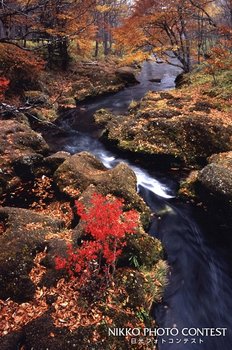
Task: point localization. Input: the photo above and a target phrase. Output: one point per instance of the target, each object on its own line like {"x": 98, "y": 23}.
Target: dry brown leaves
{"x": 2, "y": 228}
{"x": 59, "y": 210}
{"x": 34, "y": 226}
{"x": 68, "y": 311}
{"x": 14, "y": 315}
{"x": 188, "y": 99}
{"x": 68, "y": 308}
{"x": 38, "y": 270}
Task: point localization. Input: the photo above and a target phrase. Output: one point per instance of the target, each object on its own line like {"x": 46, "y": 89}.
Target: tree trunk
{"x": 63, "y": 52}
{"x": 96, "y": 49}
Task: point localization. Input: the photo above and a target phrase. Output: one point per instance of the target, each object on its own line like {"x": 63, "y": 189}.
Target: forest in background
{"x": 38, "y": 34}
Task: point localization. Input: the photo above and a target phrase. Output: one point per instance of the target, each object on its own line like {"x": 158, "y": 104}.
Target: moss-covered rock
{"x": 24, "y": 234}
{"x": 42, "y": 114}
{"x": 11, "y": 341}
{"x": 141, "y": 250}
{"x": 187, "y": 185}
{"x": 19, "y": 144}
{"x": 216, "y": 177}
{"x": 26, "y": 166}
{"x": 36, "y": 98}
{"x": 127, "y": 74}
{"x": 55, "y": 160}
{"x": 102, "y": 117}
{"x": 94, "y": 79}
{"x": 83, "y": 169}
{"x": 17, "y": 139}
{"x": 162, "y": 130}
{"x": 41, "y": 334}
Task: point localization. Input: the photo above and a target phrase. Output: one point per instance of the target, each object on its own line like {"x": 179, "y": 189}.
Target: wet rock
{"x": 127, "y": 74}
{"x": 24, "y": 234}
{"x": 83, "y": 169}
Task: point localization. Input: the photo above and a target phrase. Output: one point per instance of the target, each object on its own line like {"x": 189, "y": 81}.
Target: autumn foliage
{"x": 220, "y": 59}
{"x": 19, "y": 66}
{"x": 106, "y": 225}
{"x": 4, "y": 84}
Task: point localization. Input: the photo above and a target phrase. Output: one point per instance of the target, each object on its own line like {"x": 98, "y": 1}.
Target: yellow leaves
{"x": 84, "y": 45}
{"x": 63, "y": 16}
{"x": 130, "y": 58}
{"x": 103, "y": 8}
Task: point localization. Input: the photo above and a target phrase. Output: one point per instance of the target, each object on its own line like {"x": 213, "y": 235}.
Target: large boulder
{"x": 23, "y": 233}
{"x": 182, "y": 79}
{"x": 169, "y": 128}
{"x": 17, "y": 139}
{"x": 127, "y": 74}
{"x": 55, "y": 160}
{"x": 21, "y": 149}
{"x": 82, "y": 169}
{"x": 216, "y": 177}
{"x": 183, "y": 139}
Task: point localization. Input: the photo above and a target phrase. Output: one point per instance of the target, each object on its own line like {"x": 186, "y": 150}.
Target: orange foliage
{"x": 20, "y": 66}
{"x": 219, "y": 59}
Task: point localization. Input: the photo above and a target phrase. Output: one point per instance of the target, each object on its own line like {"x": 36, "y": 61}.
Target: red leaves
{"x": 60, "y": 263}
{"x": 105, "y": 218}
{"x": 4, "y": 84}
{"x": 107, "y": 225}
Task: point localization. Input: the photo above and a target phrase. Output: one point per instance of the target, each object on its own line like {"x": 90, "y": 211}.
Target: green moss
{"x": 142, "y": 250}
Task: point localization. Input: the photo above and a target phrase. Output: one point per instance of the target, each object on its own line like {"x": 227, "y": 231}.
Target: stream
{"x": 198, "y": 294}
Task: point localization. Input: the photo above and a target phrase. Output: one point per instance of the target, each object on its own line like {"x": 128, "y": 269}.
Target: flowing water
{"x": 198, "y": 294}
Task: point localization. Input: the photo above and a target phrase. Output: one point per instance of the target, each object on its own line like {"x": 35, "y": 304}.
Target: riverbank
{"x": 43, "y": 93}
{"x": 189, "y": 129}
{"x": 40, "y": 306}
{"x": 183, "y": 125}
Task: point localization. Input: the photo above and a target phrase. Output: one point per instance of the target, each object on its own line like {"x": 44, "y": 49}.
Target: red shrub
{"x": 107, "y": 225}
